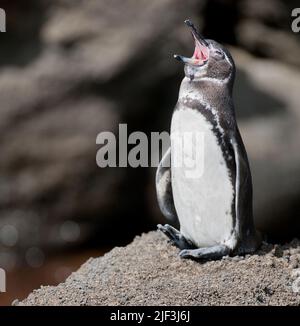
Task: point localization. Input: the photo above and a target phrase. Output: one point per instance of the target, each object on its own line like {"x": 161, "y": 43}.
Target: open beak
{"x": 201, "y": 52}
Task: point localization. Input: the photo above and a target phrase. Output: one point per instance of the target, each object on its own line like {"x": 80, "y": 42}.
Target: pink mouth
{"x": 201, "y": 53}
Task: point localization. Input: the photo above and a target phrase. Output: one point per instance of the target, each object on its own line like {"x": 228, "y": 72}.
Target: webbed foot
{"x": 175, "y": 236}
{"x": 215, "y": 252}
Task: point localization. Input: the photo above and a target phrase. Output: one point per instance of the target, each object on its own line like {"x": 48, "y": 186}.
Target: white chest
{"x": 202, "y": 189}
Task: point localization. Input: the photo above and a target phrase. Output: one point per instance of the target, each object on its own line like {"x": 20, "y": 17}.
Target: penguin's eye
{"x": 219, "y": 54}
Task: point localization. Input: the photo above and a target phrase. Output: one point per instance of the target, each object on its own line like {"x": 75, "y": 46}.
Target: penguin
{"x": 213, "y": 206}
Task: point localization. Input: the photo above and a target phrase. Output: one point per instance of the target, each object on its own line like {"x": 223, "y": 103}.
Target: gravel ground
{"x": 149, "y": 272}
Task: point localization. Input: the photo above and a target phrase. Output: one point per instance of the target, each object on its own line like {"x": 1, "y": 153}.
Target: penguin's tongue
{"x": 201, "y": 53}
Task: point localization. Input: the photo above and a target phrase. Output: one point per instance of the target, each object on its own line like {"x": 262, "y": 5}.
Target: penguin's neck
{"x": 209, "y": 92}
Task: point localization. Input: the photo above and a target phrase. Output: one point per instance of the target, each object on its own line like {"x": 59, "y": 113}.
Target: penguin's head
{"x": 210, "y": 59}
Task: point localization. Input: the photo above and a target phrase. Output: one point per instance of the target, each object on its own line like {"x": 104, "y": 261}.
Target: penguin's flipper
{"x": 215, "y": 252}
{"x": 244, "y": 226}
{"x": 175, "y": 236}
{"x": 164, "y": 188}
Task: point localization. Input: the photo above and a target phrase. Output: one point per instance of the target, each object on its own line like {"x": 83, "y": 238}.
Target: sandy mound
{"x": 149, "y": 272}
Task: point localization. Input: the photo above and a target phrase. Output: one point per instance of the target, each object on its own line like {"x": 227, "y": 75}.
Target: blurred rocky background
{"x": 70, "y": 69}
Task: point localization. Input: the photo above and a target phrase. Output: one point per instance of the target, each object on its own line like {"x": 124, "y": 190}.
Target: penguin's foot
{"x": 215, "y": 252}
{"x": 175, "y": 236}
